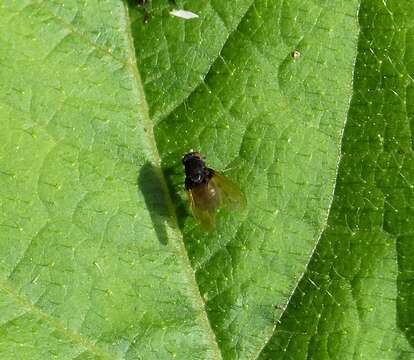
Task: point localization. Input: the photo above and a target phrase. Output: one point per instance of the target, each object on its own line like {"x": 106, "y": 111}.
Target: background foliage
{"x": 99, "y": 257}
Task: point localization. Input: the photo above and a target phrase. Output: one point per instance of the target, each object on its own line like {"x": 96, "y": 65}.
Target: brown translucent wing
{"x": 228, "y": 192}
{"x": 220, "y": 191}
{"x": 204, "y": 202}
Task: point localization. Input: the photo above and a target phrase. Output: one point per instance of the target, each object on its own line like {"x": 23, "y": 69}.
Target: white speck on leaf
{"x": 184, "y": 14}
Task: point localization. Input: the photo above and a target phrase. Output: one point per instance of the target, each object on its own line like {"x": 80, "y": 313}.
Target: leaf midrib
{"x": 176, "y": 234}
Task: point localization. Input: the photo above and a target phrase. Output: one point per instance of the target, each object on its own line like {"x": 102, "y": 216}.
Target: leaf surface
{"x": 100, "y": 258}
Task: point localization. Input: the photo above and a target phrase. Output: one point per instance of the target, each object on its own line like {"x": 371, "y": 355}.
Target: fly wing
{"x": 206, "y": 216}
{"x": 205, "y": 199}
{"x": 229, "y": 193}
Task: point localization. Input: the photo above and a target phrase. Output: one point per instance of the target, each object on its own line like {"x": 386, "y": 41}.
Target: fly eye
{"x": 197, "y": 178}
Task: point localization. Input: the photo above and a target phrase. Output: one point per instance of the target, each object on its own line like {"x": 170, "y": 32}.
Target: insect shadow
{"x": 150, "y": 185}
{"x": 156, "y": 200}
{"x": 175, "y": 180}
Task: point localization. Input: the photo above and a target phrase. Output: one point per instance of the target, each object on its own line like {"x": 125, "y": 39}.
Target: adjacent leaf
{"x": 356, "y": 299}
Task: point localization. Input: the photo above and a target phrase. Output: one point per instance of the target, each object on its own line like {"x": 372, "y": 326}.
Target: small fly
{"x": 208, "y": 190}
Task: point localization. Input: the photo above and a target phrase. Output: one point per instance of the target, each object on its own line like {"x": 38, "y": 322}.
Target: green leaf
{"x": 100, "y": 257}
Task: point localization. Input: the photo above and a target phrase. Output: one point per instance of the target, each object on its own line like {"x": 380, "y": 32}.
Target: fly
{"x": 208, "y": 190}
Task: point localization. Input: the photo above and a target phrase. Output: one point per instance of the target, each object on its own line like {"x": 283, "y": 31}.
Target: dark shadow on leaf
{"x": 150, "y": 184}
{"x": 175, "y": 180}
